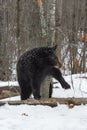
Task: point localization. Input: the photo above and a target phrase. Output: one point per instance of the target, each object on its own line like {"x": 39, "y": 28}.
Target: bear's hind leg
{"x": 36, "y": 88}
{"x": 25, "y": 92}
{"x": 25, "y": 89}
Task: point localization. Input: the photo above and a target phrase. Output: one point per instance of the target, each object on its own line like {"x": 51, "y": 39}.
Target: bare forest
{"x": 25, "y": 24}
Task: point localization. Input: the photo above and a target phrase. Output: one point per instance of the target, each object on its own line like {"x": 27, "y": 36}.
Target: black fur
{"x": 32, "y": 68}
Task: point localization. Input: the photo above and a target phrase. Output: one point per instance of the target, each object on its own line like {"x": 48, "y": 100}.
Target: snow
{"x": 25, "y": 117}
{"x": 78, "y": 87}
{"x": 8, "y": 83}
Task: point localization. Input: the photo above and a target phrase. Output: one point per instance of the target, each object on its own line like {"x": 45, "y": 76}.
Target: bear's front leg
{"x": 56, "y": 73}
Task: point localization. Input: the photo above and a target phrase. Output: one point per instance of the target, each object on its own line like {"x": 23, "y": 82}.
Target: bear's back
{"x": 33, "y": 59}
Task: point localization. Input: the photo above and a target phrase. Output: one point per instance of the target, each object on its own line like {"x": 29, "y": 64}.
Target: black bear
{"x": 33, "y": 67}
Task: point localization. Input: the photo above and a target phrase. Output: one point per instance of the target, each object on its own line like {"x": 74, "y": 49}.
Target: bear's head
{"x": 50, "y": 57}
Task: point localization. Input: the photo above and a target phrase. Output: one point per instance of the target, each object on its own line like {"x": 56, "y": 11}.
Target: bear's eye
{"x": 48, "y": 51}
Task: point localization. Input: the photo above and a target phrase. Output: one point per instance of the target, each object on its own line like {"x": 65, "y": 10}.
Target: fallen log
{"x": 9, "y": 91}
{"x": 2, "y": 103}
{"x": 11, "y": 88}
{"x": 45, "y": 102}
{"x": 53, "y": 102}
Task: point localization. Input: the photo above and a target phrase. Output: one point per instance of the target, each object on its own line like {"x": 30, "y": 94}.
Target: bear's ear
{"x": 54, "y": 48}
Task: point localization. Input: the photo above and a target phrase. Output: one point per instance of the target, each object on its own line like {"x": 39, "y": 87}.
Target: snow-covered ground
{"x": 25, "y": 117}
{"x": 78, "y": 87}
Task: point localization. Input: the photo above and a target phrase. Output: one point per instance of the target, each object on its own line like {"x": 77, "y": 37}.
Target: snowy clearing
{"x": 25, "y": 117}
